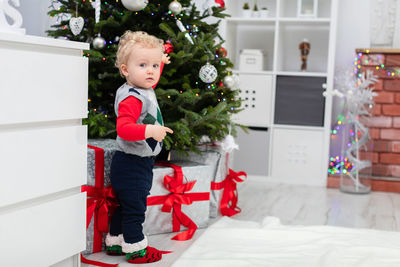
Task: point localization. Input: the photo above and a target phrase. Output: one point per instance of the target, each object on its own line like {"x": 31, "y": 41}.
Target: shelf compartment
{"x": 297, "y": 156}
{"x": 235, "y": 7}
{"x": 288, "y": 8}
{"x": 255, "y": 143}
{"x": 291, "y": 34}
{"x": 299, "y": 101}
{"x": 256, "y": 95}
{"x": 241, "y": 37}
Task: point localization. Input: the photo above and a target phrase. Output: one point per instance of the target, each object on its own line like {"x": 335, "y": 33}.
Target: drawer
{"x": 256, "y": 95}
{"x": 297, "y": 156}
{"x": 41, "y": 84}
{"x": 44, "y": 234}
{"x": 37, "y": 162}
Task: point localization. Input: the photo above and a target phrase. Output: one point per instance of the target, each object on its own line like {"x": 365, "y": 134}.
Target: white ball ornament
{"x": 175, "y": 7}
{"x": 208, "y": 73}
{"x": 99, "y": 42}
{"x": 229, "y": 81}
{"x": 135, "y": 5}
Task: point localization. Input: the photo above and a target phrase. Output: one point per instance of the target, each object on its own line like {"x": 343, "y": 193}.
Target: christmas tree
{"x": 193, "y": 105}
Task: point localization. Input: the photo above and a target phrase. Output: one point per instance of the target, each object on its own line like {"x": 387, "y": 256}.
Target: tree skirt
{"x": 230, "y": 242}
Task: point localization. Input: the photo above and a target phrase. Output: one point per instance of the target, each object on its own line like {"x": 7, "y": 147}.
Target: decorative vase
{"x": 264, "y": 13}
{"x": 246, "y": 13}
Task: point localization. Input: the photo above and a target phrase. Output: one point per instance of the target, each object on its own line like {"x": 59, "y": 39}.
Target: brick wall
{"x": 384, "y": 126}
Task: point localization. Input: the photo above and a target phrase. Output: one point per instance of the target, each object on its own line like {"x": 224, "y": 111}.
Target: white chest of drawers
{"x": 43, "y": 98}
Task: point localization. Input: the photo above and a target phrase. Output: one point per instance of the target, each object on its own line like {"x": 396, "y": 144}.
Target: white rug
{"x": 231, "y": 243}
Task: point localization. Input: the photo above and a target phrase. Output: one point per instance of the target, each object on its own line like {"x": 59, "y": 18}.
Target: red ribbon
{"x": 173, "y": 201}
{"x": 100, "y": 203}
{"x": 97, "y": 263}
{"x": 229, "y": 198}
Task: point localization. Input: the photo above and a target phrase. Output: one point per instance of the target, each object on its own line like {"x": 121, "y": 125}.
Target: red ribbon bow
{"x": 229, "y": 198}
{"x": 173, "y": 201}
{"x": 101, "y": 203}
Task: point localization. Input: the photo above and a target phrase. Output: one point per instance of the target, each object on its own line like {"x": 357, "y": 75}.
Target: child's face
{"x": 143, "y": 67}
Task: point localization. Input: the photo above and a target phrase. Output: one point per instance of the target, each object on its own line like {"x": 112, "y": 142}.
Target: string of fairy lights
{"x": 374, "y": 61}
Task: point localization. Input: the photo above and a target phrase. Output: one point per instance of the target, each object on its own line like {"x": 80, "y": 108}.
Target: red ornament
{"x": 168, "y": 47}
{"x": 221, "y": 3}
{"x": 222, "y": 52}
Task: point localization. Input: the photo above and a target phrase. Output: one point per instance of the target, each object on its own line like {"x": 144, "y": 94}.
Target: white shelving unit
{"x": 284, "y": 102}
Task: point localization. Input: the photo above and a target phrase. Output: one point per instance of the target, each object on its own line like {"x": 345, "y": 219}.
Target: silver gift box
{"x": 158, "y": 222}
{"x": 219, "y": 161}
{"x": 109, "y": 146}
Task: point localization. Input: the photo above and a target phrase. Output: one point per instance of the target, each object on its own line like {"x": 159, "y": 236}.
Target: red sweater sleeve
{"x": 128, "y": 113}
{"x": 161, "y": 69}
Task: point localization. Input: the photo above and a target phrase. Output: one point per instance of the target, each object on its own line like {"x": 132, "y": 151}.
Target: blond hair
{"x": 129, "y": 39}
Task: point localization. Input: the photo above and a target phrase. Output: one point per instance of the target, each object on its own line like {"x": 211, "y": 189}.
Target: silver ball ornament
{"x": 175, "y": 7}
{"x": 229, "y": 81}
{"x": 208, "y": 73}
{"x": 135, "y": 5}
{"x": 236, "y": 81}
{"x": 99, "y": 42}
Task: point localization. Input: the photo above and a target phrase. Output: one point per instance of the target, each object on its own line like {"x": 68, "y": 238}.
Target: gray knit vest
{"x": 150, "y": 115}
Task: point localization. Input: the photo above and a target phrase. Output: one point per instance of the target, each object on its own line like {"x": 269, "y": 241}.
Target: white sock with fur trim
{"x": 112, "y": 240}
{"x": 133, "y": 247}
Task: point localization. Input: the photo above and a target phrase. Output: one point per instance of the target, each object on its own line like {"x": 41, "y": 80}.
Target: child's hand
{"x": 157, "y": 132}
{"x": 166, "y": 59}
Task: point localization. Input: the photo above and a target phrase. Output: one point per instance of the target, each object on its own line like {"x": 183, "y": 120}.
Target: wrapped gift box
{"x": 158, "y": 221}
{"x": 219, "y": 160}
{"x": 99, "y": 191}
{"x": 109, "y": 146}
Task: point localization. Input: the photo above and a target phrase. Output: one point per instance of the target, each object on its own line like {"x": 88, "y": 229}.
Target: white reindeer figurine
{"x": 10, "y": 11}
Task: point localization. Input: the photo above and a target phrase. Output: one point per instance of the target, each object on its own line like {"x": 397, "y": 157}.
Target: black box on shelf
{"x": 299, "y": 100}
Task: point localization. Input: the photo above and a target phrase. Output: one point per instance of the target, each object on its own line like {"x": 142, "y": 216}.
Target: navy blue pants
{"x": 131, "y": 177}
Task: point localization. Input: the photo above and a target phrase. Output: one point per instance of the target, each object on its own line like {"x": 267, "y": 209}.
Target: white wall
{"x": 35, "y": 18}
{"x": 352, "y": 30}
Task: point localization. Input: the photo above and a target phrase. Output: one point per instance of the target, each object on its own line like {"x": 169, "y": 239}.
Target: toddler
{"x": 140, "y": 133}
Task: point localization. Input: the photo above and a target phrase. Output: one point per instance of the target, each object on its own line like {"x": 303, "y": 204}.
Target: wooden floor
{"x": 294, "y": 205}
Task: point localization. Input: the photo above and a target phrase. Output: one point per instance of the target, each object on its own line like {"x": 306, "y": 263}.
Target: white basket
{"x": 251, "y": 60}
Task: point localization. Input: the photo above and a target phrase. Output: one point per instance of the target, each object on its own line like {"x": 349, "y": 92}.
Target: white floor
{"x": 294, "y": 205}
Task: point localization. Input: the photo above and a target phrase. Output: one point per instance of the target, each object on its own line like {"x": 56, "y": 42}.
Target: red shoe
{"x": 146, "y": 255}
